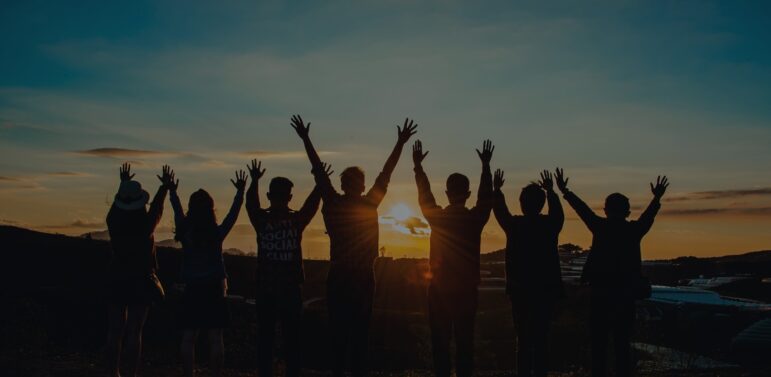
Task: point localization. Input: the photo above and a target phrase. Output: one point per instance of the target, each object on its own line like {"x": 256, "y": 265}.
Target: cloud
{"x": 110, "y": 152}
{"x": 9, "y": 184}
{"x": 757, "y": 211}
{"x": 411, "y": 225}
{"x": 720, "y": 194}
{"x": 279, "y": 154}
{"x": 65, "y": 174}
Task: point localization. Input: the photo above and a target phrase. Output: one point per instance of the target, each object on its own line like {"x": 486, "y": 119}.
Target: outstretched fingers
{"x": 327, "y": 168}
{"x": 498, "y": 178}
{"x": 299, "y": 125}
{"x": 407, "y": 130}
{"x": 255, "y": 169}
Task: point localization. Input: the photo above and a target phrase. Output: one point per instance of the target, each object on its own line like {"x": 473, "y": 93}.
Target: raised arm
{"x": 378, "y": 190}
{"x": 500, "y": 209}
{"x": 310, "y": 207}
{"x": 317, "y": 168}
{"x": 646, "y": 218}
{"x": 404, "y": 134}
{"x": 155, "y": 212}
{"x": 485, "y": 193}
{"x": 124, "y": 172}
{"x": 253, "y": 208}
{"x": 425, "y": 196}
{"x": 582, "y": 209}
{"x": 556, "y": 215}
{"x": 176, "y": 205}
{"x": 235, "y": 208}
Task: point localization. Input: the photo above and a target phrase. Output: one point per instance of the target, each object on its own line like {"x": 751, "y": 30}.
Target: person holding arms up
{"x": 613, "y": 270}
{"x": 351, "y": 219}
{"x": 533, "y": 277}
{"x": 203, "y": 270}
{"x": 456, "y": 233}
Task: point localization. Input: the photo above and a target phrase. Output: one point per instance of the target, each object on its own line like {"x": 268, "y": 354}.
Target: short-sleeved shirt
{"x": 279, "y": 247}
{"x": 352, "y": 225}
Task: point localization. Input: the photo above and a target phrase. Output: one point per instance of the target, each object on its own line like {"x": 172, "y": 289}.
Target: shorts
{"x": 204, "y": 305}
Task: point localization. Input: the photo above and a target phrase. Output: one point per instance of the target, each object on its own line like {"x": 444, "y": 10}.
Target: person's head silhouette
{"x": 200, "y": 204}
{"x": 352, "y": 181}
{"x": 280, "y": 192}
{"x": 617, "y": 206}
{"x": 201, "y": 221}
{"x": 457, "y": 189}
{"x": 532, "y": 199}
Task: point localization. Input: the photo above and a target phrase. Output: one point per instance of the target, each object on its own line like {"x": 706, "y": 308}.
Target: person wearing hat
{"x": 133, "y": 284}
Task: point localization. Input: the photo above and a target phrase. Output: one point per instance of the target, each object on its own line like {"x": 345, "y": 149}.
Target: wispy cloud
{"x": 756, "y": 211}
{"x": 110, "y": 152}
{"x": 281, "y": 154}
{"x": 68, "y": 174}
{"x": 720, "y": 194}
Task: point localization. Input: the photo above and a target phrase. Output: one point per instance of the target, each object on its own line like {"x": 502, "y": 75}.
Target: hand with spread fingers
{"x": 125, "y": 172}
{"x": 255, "y": 170}
{"x": 327, "y": 169}
{"x": 407, "y": 130}
{"x": 562, "y": 182}
{"x": 487, "y": 151}
{"x": 303, "y": 131}
{"x": 167, "y": 178}
{"x": 658, "y": 190}
{"x": 546, "y": 182}
{"x": 240, "y": 181}
{"x": 417, "y": 153}
{"x": 498, "y": 180}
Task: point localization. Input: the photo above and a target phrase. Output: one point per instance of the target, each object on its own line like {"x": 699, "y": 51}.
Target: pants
{"x": 611, "y": 315}
{"x": 350, "y": 310}
{"x": 452, "y": 313}
{"x": 532, "y": 316}
{"x": 285, "y": 306}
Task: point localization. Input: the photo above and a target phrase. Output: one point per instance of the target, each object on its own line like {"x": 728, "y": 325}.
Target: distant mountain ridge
{"x": 762, "y": 256}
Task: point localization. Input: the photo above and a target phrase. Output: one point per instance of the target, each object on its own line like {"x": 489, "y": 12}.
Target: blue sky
{"x": 615, "y": 92}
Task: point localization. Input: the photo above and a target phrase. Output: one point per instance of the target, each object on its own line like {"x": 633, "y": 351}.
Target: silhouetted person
{"x": 203, "y": 271}
{"x": 456, "y": 233}
{"x": 133, "y": 284}
{"x": 279, "y": 266}
{"x": 533, "y": 278}
{"x": 613, "y": 271}
{"x": 352, "y": 224}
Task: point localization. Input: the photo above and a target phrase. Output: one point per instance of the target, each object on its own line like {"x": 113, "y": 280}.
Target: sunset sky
{"x": 615, "y": 92}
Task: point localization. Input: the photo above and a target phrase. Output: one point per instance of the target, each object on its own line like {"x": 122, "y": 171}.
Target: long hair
{"x": 200, "y": 225}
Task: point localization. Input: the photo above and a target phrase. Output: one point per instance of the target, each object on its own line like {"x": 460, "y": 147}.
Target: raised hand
{"x": 300, "y": 127}
{"x": 125, "y": 172}
{"x": 327, "y": 169}
{"x": 498, "y": 180}
{"x": 417, "y": 153}
{"x": 546, "y": 182}
{"x": 562, "y": 182}
{"x": 661, "y": 186}
{"x": 487, "y": 151}
{"x": 240, "y": 181}
{"x": 167, "y": 178}
{"x": 406, "y": 131}
{"x": 255, "y": 170}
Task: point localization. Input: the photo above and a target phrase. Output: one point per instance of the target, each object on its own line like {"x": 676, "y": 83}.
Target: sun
{"x": 401, "y": 212}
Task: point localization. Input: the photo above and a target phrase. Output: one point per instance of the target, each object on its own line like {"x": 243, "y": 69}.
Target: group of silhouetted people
{"x": 533, "y": 278}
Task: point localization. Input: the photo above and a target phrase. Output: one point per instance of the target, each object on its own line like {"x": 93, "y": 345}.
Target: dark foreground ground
{"x": 53, "y": 320}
